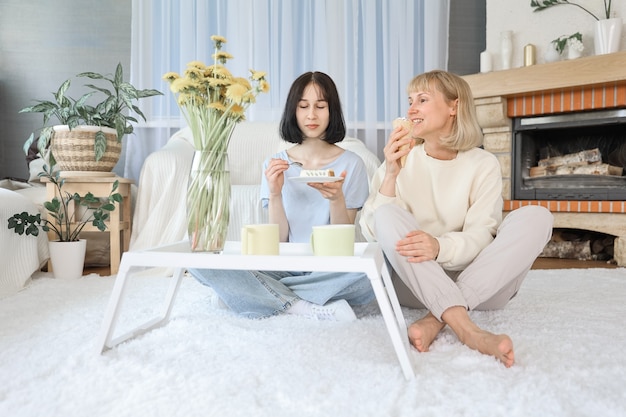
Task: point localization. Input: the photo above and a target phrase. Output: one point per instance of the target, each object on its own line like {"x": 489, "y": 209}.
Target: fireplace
{"x": 584, "y": 87}
{"x": 571, "y": 156}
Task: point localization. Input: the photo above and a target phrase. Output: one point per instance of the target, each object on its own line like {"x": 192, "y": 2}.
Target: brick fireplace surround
{"x": 589, "y": 83}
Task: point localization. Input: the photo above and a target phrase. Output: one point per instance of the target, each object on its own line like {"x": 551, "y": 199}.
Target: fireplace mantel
{"x": 579, "y": 72}
{"x": 589, "y": 83}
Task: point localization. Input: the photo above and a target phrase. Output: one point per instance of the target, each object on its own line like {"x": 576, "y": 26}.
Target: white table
{"x": 368, "y": 259}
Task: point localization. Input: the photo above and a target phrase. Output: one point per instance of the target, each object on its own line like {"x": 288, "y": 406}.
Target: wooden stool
{"x": 119, "y": 224}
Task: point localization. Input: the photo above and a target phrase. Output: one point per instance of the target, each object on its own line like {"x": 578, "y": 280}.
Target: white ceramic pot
{"x": 68, "y": 258}
{"x": 607, "y": 35}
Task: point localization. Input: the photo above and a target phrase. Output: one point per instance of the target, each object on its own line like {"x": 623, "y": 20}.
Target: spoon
{"x": 296, "y": 163}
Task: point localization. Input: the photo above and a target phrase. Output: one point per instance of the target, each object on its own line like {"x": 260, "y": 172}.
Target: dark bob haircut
{"x": 289, "y": 129}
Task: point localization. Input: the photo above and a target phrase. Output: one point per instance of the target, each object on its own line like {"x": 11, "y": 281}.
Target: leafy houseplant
{"x": 539, "y": 5}
{"x": 65, "y": 223}
{"x": 112, "y": 111}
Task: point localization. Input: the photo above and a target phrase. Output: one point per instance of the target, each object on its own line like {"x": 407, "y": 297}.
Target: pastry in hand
{"x": 407, "y": 124}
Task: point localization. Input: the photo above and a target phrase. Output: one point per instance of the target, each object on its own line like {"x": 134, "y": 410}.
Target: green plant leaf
{"x": 100, "y": 144}
{"x": 119, "y": 74}
{"x": 60, "y": 94}
{"x": 120, "y": 126}
{"x": 92, "y": 75}
{"x": 148, "y": 93}
{"x": 28, "y": 142}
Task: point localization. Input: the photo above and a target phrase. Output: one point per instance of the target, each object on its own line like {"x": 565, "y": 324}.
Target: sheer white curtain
{"x": 371, "y": 48}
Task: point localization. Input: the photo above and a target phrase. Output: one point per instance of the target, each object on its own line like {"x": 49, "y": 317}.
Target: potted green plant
{"x": 107, "y": 121}
{"x": 67, "y": 215}
{"x": 573, "y": 42}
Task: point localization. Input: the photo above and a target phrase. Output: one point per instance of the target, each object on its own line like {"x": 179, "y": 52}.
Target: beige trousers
{"x": 488, "y": 283}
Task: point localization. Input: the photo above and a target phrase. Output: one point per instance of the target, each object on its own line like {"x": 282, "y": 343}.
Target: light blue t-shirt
{"x": 305, "y": 207}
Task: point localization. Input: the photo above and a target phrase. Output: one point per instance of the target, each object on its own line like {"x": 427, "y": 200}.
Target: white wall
{"x": 540, "y": 28}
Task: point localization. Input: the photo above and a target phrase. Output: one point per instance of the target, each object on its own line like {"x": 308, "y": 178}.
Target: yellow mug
{"x": 260, "y": 239}
{"x": 333, "y": 240}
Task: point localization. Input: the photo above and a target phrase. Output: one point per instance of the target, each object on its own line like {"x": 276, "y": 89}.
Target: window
{"x": 371, "y": 48}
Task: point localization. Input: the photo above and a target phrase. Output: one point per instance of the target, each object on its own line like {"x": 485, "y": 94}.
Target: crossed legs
{"x": 488, "y": 283}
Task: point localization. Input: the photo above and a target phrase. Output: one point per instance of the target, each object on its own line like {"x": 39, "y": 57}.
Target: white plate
{"x": 315, "y": 179}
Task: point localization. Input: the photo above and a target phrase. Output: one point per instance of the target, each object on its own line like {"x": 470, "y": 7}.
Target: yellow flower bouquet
{"x": 212, "y": 102}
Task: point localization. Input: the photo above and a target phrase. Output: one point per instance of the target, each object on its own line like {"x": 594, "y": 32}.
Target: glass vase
{"x": 208, "y": 201}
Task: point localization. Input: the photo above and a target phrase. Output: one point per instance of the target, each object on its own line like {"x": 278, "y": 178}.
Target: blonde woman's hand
{"x": 418, "y": 246}
{"x": 398, "y": 145}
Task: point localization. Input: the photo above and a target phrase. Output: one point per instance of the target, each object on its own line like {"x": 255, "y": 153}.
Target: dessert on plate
{"x": 317, "y": 173}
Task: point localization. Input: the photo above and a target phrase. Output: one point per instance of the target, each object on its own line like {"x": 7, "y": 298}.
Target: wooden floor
{"x": 540, "y": 263}
{"x": 555, "y": 263}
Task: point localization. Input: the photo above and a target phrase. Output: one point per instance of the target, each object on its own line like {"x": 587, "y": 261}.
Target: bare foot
{"x": 423, "y": 332}
{"x": 499, "y": 346}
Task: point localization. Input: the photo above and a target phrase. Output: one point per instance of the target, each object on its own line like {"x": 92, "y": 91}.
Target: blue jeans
{"x": 259, "y": 294}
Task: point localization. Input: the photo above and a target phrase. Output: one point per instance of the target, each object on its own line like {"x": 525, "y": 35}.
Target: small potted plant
{"x": 66, "y": 222}
{"x": 573, "y": 42}
{"x": 76, "y": 120}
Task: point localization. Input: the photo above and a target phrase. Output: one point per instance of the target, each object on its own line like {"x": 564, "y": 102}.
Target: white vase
{"x": 506, "y": 49}
{"x": 485, "y": 62}
{"x": 607, "y": 35}
{"x": 67, "y": 258}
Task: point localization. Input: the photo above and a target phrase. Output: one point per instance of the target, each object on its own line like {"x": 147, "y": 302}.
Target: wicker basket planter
{"x": 74, "y": 149}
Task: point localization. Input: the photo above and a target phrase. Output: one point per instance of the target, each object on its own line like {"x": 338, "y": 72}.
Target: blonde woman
{"x": 439, "y": 219}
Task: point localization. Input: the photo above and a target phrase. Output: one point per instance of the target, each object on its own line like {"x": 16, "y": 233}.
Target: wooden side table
{"x": 119, "y": 224}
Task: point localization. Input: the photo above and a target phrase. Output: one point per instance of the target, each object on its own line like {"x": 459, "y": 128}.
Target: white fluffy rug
{"x": 567, "y": 326}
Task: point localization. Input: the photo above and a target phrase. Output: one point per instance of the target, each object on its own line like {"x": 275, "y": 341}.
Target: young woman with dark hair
{"x": 313, "y": 121}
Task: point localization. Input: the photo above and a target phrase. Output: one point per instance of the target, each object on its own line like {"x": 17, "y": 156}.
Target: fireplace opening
{"x": 574, "y": 156}
{"x": 582, "y": 245}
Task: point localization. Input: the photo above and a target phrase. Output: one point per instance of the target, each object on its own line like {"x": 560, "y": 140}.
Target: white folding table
{"x": 368, "y": 258}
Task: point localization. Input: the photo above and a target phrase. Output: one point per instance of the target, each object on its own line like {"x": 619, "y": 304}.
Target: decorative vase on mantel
{"x": 506, "y": 48}
{"x": 208, "y": 201}
{"x": 607, "y": 35}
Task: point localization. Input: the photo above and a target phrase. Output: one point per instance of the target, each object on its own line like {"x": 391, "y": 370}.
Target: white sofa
{"x": 159, "y": 216}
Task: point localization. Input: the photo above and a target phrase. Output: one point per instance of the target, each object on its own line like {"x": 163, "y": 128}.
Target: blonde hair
{"x": 466, "y": 132}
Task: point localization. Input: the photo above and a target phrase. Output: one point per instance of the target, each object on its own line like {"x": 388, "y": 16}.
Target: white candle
{"x": 485, "y": 61}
